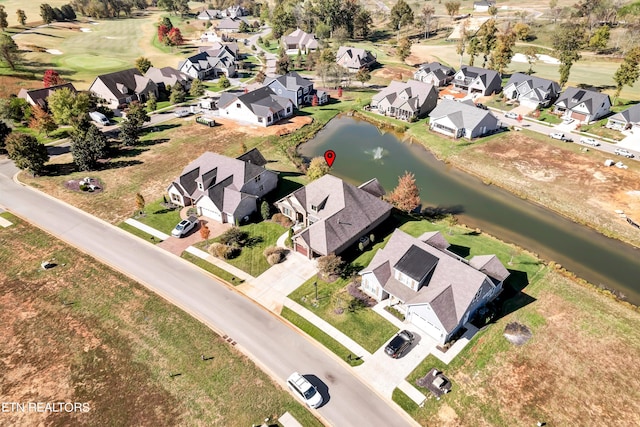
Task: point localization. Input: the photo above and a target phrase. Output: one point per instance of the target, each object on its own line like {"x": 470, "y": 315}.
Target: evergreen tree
{"x": 46, "y": 12}
{"x": 178, "y": 94}
{"x": 152, "y": 103}
{"x": 27, "y": 153}
{"x": 3, "y": 18}
{"x": 87, "y": 150}
{"x": 22, "y": 17}
{"x": 9, "y": 52}
{"x": 197, "y": 88}
{"x": 132, "y": 124}
{"x": 5, "y": 131}
{"x": 223, "y": 82}
{"x": 143, "y": 64}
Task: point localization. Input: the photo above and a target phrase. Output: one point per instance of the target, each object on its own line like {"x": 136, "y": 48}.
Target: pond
{"x": 364, "y": 152}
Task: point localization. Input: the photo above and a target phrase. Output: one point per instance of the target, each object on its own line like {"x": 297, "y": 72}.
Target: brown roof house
{"x": 331, "y": 215}
{"x": 353, "y": 58}
{"x": 123, "y": 87}
{"x": 437, "y": 290}
{"x": 223, "y": 188}
{"x": 168, "y": 76}
{"x": 39, "y": 96}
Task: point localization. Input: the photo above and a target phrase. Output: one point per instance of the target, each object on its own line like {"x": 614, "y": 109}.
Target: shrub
{"x": 274, "y": 254}
{"x": 234, "y": 237}
{"x": 204, "y": 231}
{"x": 330, "y": 265}
{"x": 265, "y": 210}
{"x": 282, "y": 220}
{"x": 220, "y": 250}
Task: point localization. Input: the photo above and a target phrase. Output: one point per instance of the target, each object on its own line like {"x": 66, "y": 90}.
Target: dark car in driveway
{"x": 399, "y": 344}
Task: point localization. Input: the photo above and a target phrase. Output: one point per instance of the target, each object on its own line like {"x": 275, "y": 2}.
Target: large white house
{"x": 583, "y": 105}
{"x": 405, "y": 100}
{"x": 260, "y": 107}
{"x": 437, "y": 290}
{"x": 462, "y": 120}
{"x": 531, "y": 91}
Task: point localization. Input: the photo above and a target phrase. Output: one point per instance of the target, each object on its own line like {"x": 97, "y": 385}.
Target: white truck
{"x": 99, "y": 118}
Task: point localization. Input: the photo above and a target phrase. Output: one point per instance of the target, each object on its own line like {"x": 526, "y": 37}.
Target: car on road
{"x": 481, "y": 106}
{"x": 623, "y": 152}
{"x": 567, "y": 121}
{"x": 182, "y": 113}
{"x": 560, "y": 136}
{"x": 302, "y": 388}
{"x": 589, "y": 141}
{"x": 511, "y": 115}
{"x": 399, "y": 344}
{"x": 184, "y": 227}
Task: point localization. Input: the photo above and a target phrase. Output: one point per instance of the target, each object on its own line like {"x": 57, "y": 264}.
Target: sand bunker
{"x": 519, "y": 57}
{"x": 85, "y": 30}
{"x": 54, "y": 52}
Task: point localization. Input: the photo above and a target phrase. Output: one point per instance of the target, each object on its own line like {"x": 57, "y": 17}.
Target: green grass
{"x": 137, "y": 232}
{"x": 213, "y": 269}
{"x": 251, "y": 260}
{"x": 547, "y": 117}
{"x": 41, "y": 137}
{"x": 159, "y": 217}
{"x": 598, "y": 128}
{"x": 320, "y": 336}
{"x": 273, "y": 47}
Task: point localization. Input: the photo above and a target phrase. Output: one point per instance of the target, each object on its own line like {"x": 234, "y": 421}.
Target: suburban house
{"x": 353, "y": 58}
{"x": 168, "y": 76}
{"x": 583, "y": 105}
{"x": 531, "y": 91}
{"x": 295, "y": 87}
{"x": 331, "y": 215}
{"x": 483, "y": 5}
{"x": 260, "y": 107}
{"x": 477, "y": 80}
{"x": 229, "y": 48}
{"x": 462, "y": 120}
{"x": 627, "y": 119}
{"x": 223, "y": 188}
{"x": 39, "y": 96}
{"x": 123, "y": 87}
{"x": 229, "y": 25}
{"x": 234, "y": 11}
{"x": 210, "y": 14}
{"x": 435, "y": 289}
{"x": 209, "y": 64}
{"x": 434, "y": 73}
{"x": 299, "y": 40}
{"x": 405, "y": 100}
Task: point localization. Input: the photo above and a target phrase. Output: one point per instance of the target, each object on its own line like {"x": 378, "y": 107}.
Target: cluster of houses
{"x": 227, "y": 20}
{"x": 436, "y": 289}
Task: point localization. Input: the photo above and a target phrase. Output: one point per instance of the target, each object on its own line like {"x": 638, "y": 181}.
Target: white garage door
{"x": 211, "y": 214}
{"x": 426, "y": 326}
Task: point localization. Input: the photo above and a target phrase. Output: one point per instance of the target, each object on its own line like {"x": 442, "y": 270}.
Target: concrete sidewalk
{"x": 220, "y": 263}
{"x": 149, "y": 230}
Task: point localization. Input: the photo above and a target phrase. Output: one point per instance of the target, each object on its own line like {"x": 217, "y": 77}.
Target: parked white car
{"x": 623, "y": 152}
{"x": 182, "y": 113}
{"x": 589, "y": 141}
{"x": 511, "y": 115}
{"x": 302, "y": 388}
{"x": 560, "y": 136}
{"x": 184, "y": 227}
{"x": 567, "y": 121}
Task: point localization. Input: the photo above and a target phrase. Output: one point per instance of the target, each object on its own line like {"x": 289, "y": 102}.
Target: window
{"x": 314, "y": 208}
{"x": 269, "y": 119}
{"x": 199, "y": 186}
{"x": 288, "y": 109}
{"x": 175, "y": 197}
{"x": 261, "y": 188}
{"x": 257, "y": 178}
{"x": 238, "y": 105}
{"x": 259, "y": 119}
{"x": 286, "y": 211}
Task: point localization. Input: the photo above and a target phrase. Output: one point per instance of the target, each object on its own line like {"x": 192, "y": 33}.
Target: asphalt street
{"x": 272, "y": 344}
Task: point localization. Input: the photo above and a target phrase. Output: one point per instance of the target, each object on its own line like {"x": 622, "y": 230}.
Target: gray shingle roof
{"x": 124, "y": 82}
{"x": 354, "y": 57}
{"x": 39, "y": 96}
{"x": 463, "y": 115}
{"x": 409, "y": 95}
{"x": 441, "y": 71}
{"x": 573, "y": 96}
{"x": 261, "y": 101}
{"x": 630, "y": 115}
{"x": 534, "y": 82}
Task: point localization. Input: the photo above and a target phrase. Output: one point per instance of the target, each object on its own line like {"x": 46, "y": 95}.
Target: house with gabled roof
{"x": 230, "y": 48}
{"x": 299, "y": 40}
{"x": 353, "y": 59}
{"x": 436, "y": 290}
{"x": 477, "y": 80}
{"x": 462, "y": 120}
{"x": 210, "y": 14}
{"x": 123, "y": 87}
{"x": 627, "y": 119}
{"x": 223, "y": 188}
{"x": 295, "y": 87}
{"x": 209, "y": 64}
{"x": 531, "y": 91}
{"x": 405, "y": 100}
{"x": 330, "y": 215}
{"x": 483, "y": 5}
{"x": 260, "y": 107}
{"x": 229, "y": 25}
{"x": 583, "y": 105}
{"x": 39, "y": 96}
{"x": 435, "y": 73}
{"x": 168, "y": 77}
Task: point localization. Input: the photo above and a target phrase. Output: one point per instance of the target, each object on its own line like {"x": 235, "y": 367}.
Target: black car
{"x": 399, "y": 344}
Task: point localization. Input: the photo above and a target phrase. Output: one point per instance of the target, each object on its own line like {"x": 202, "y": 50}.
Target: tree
{"x": 15, "y": 109}
{"x": 5, "y": 131}
{"x": 22, "y": 17}
{"x": 453, "y": 7}
{"x": 363, "y": 75}
{"x": 427, "y": 14}
{"x": 531, "y": 52}
{"x": 3, "y": 18}
{"x": 41, "y": 120}
{"x": 132, "y": 124}
{"x": 401, "y": 15}
{"x": 493, "y": 11}
{"x": 406, "y": 196}
{"x": 404, "y": 48}
{"x": 178, "y": 94}
{"x": 282, "y": 20}
{"x": 163, "y": 30}
{"x": 9, "y": 52}
{"x": 487, "y": 37}
{"x": 473, "y": 49}
{"x": 143, "y": 64}
{"x": 51, "y": 78}
{"x": 152, "y": 103}
{"x": 197, "y": 88}
{"x": 174, "y": 37}
{"x": 67, "y": 106}
{"x": 503, "y": 52}
{"x": 522, "y": 31}
{"x": 27, "y": 153}
{"x": 67, "y": 12}
{"x": 318, "y": 168}
{"x": 567, "y": 42}
{"x": 362, "y": 23}
{"x": 553, "y": 8}
{"x": 265, "y": 210}
{"x": 283, "y": 64}
{"x": 46, "y": 12}
{"x": 451, "y": 222}
{"x": 89, "y": 148}
{"x": 243, "y": 27}
{"x": 260, "y": 76}
{"x": 600, "y": 38}
{"x": 140, "y": 202}
{"x": 224, "y": 82}
{"x": 628, "y": 72}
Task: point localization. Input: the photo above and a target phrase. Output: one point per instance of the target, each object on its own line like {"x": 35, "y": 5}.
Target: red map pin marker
{"x": 329, "y": 157}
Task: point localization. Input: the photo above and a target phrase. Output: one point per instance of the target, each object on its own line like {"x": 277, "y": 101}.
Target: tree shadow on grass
{"x": 158, "y": 128}
{"x": 60, "y": 169}
{"x": 440, "y": 212}
{"x": 117, "y": 164}
{"x": 129, "y": 152}
{"x": 152, "y": 142}
{"x": 57, "y": 151}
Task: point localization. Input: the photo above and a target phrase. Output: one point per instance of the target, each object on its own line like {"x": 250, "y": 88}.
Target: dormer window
{"x": 257, "y": 178}
{"x": 200, "y": 186}
{"x": 314, "y": 208}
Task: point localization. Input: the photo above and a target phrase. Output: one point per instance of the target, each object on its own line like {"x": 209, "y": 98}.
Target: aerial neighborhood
{"x": 410, "y": 213}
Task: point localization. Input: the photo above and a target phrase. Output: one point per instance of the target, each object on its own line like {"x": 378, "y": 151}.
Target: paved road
{"x": 273, "y": 345}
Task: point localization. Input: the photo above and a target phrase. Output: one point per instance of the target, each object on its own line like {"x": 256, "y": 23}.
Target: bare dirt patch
{"x": 283, "y": 127}
{"x": 420, "y": 55}
{"x": 572, "y": 182}
{"x": 11, "y": 85}
{"x": 394, "y": 73}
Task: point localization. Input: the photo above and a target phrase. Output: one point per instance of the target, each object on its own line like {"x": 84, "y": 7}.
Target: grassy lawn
{"x": 547, "y": 117}
{"x": 213, "y": 269}
{"x": 137, "y": 232}
{"x": 92, "y": 335}
{"x": 273, "y": 47}
{"x": 320, "y": 336}
{"x": 251, "y": 260}
{"x": 41, "y": 137}
{"x": 159, "y": 217}
{"x": 598, "y": 128}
